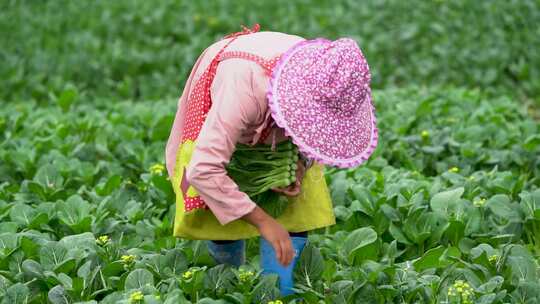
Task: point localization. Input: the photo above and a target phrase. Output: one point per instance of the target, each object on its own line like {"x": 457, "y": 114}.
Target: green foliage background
{"x": 447, "y": 210}
{"x": 145, "y": 49}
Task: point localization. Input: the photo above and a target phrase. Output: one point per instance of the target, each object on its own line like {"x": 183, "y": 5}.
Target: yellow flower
{"x": 212, "y": 21}
{"x": 187, "y": 275}
{"x": 425, "y": 134}
{"x": 493, "y": 258}
{"x": 454, "y": 170}
{"x": 102, "y": 240}
{"x": 157, "y": 169}
{"x": 461, "y": 289}
{"x": 480, "y": 202}
{"x": 245, "y": 275}
{"x": 136, "y": 297}
{"x": 127, "y": 259}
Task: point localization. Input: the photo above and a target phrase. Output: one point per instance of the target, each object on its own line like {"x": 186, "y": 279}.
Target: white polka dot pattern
{"x": 320, "y": 95}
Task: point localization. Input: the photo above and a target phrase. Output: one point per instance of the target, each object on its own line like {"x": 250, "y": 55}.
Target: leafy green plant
{"x": 449, "y": 199}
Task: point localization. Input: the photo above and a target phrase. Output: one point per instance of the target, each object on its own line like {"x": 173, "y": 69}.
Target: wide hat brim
{"x": 325, "y": 135}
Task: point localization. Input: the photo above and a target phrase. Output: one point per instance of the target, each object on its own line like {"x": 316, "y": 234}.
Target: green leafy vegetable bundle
{"x": 257, "y": 169}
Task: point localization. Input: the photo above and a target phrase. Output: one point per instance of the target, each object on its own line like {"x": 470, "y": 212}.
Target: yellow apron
{"x": 311, "y": 209}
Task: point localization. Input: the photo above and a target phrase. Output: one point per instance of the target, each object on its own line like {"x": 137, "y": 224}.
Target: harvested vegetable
{"x": 257, "y": 169}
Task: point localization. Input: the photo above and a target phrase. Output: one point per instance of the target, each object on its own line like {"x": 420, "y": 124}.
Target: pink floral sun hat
{"x": 320, "y": 95}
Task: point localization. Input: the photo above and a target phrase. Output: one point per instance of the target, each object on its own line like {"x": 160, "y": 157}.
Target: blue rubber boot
{"x": 271, "y": 265}
{"x": 233, "y": 253}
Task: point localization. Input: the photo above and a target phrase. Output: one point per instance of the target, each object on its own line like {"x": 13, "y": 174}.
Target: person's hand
{"x": 295, "y": 188}
{"x": 272, "y": 231}
{"x": 280, "y": 240}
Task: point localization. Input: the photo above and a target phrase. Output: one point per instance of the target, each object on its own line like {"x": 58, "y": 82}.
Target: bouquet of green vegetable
{"x": 257, "y": 169}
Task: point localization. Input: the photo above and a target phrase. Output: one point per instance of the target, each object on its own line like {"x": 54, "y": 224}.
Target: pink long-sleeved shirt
{"x": 239, "y": 113}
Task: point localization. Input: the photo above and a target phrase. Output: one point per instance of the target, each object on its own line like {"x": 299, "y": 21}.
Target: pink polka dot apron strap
{"x": 256, "y": 27}
{"x": 266, "y": 131}
{"x": 198, "y": 106}
{"x": 266, "y": 64}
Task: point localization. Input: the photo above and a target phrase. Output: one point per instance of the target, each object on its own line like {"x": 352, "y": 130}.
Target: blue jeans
{"x": 233, "y": 253}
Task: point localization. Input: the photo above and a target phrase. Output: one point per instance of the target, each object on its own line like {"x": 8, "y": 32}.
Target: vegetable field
{"x": 447, "y": 210}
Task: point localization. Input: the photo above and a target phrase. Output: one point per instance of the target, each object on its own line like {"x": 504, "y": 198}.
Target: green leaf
{"x": 113, "y": 269}
{"x": 430, "y": 259}
{"x": 532, "y": 142}
{"x": 487, "y": 299}
{"x": 75, "y": 212}
{"x": 52, "y": 255}
{"x": 9, "y": 241}
{"x": 65, "y": 280}
{"x": 363, "y": 202}
{"x": 32, "y": 269}
{"x": 436, "y": 223}
{"x": 36, "y": 188}
{"x": 66, "y": 266}
{"x": 474, "y": 221}
{"x": 116, "y": 298}
{"x": 174, "y": 262}
{"x": 58, "y": 295}
{"x": 78, "y": 285}
{"x": 398, "y": 235}
{"x": 482, "y": 248}
{"x": 526, "y": 292}
{"x": 84, "y": 240}
{"x": 17, "y": 294}
{"x": 9, "y": 227}
{"x": 342, "y": 213}
{"x": 357, "y": 242}
{"x": 29, "y": 247}
{"x": 442, "y": 201}
{"x": 391, "y": 213}
{"x": 338, "y": 189}
{"x": 212, "y": 301}
{"x": 501, "y": 206}
{"x": 112, "y": 184}
{"x": 138, "y": 278}
{"x": 455, "y": 232}
{"x": 330, "y": 268}
{"x": 49, "y": 177}
{"x": 38, "y": 220}
{"x": 310, "y": 266}
{"x": 522, "y": 265}
{"x": 66, "y": 98}
{"x": 421, "y": 226}
{"x": 266, "y": 290}
{"x": 177, "y": 297}
{"x": 22, "y": 214}
{"x": 219, "y": 278}
{"x": 491, "y": 285}
{"x": 530, "y": 204}
{"x": 161, "y": 130}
